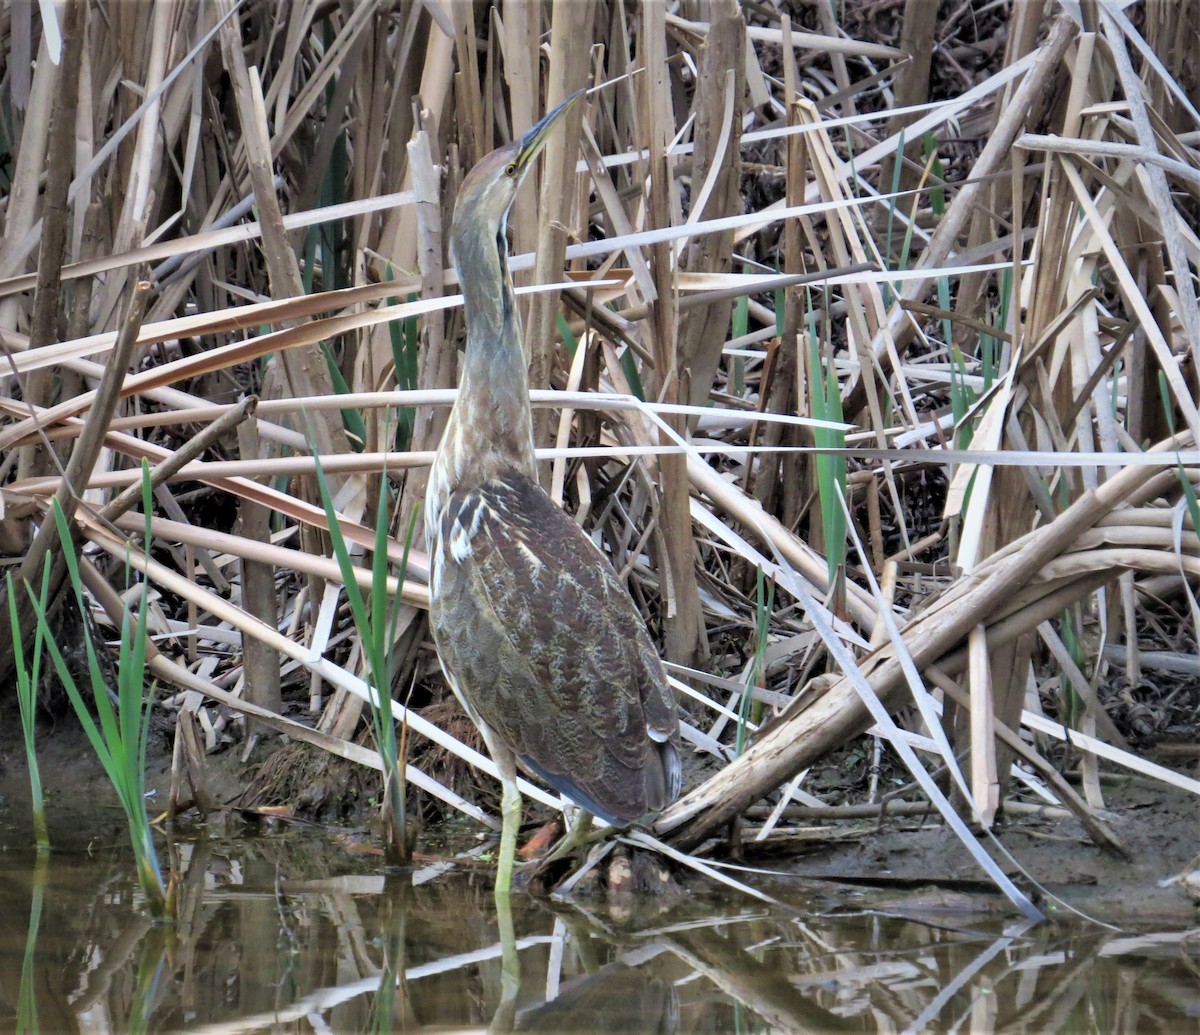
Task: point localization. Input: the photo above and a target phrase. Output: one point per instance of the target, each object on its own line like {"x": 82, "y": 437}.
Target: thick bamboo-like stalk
{"x": 809, "y": 729}
{"x": 685, "y": 634}
{"x": 570, "y": 41}
{"x": 20, "y": 213}
{"x": 716, "y": 189}
{"x": 304, "y": 368}
{"x": 46, "y": 308}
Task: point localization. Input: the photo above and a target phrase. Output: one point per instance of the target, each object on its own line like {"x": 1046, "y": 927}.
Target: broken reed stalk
{"x": 78, "y": 471}
{"x": 808, "y": 729}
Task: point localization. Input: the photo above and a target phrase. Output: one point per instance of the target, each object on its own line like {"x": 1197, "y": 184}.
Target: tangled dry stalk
{"x": 979, "y": 230}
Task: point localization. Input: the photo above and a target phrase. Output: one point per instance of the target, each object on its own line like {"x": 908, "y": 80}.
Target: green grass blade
{"x": 569, "y": 339}
{"x": 28, "y": 681}
{"x": 356, "y": 427}
{"x": 90, "y": 729}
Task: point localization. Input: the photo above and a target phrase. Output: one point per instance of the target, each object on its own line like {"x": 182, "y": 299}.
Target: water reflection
{"x": 270, "y": 939}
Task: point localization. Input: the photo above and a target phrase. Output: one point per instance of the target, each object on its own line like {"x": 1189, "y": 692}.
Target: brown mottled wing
{"x": 546, "y": 647}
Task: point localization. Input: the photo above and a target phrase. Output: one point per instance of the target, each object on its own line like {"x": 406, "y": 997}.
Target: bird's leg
{"x": 510, "y": 811}
{"x": 510, "y": 822}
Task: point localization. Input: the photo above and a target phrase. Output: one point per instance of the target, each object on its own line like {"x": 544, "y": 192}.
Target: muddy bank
{"x": 904, "y": 863}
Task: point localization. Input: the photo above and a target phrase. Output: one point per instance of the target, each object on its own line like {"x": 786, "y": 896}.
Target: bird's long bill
{"x": 533, "y": 141}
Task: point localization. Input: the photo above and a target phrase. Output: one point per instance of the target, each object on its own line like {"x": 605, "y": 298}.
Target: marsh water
{"x": 291, "y": 930}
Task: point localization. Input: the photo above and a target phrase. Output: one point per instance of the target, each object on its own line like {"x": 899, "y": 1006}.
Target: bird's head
{"x": 487, "y": 193}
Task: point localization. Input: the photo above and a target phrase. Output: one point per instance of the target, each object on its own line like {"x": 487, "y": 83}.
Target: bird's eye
{"x": 510, "y": 169}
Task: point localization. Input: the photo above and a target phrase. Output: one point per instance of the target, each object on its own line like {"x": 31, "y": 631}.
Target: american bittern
{"x": 538, "y": 639}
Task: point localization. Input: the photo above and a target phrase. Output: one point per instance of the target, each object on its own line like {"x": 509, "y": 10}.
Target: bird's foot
{"x": 580, "y": 837}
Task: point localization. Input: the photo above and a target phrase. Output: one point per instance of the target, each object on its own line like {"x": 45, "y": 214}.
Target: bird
{"x": 538, "y": 638}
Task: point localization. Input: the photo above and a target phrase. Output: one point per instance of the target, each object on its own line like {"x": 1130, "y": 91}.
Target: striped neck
{"x": 492, "y": 418}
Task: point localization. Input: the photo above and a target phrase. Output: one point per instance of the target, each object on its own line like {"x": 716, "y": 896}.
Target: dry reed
{"x": 995, "y": 262}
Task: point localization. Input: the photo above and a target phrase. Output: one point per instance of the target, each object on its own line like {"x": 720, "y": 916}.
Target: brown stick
{"x": 185, "y": 454}
{"x": 91, "y": 438}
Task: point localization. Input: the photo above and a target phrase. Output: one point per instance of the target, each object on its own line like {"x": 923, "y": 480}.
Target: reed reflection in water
{"x": 267, "y": 941}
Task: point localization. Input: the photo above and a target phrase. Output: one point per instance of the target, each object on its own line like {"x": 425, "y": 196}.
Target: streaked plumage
{"x": 546, "y": 648}
{"x": 537, "y": 637}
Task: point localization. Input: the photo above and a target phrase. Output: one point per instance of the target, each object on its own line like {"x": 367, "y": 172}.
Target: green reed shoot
{"x": 119, "y": 739}
{"x": 1071, "y": 631}
{"x": 405, "y": 343}
{"x": 825, "y": 402}
{"x": 28, "y": 680}
{"x": 937, "y": 203}
{"x": 748, "y": 709}
{"x": 989, "y": 345}
{"x": 1072, "y": 625}
{"x": 962, "y": 398}
{"x": 377, "y": 635}
{"x": 739, "y": 327}
{"x": 1189, "y": 495}
{"x": 570, "y": 342}
{"x": 352, "y": 419}
{"x": 937, "y": 175}
{"x": 329, "y": 239}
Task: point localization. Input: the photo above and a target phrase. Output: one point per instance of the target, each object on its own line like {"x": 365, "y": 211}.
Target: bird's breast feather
{"x": 542, "y": 632}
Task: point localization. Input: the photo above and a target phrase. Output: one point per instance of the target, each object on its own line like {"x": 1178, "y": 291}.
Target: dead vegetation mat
{"x": 882, "y": 399}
